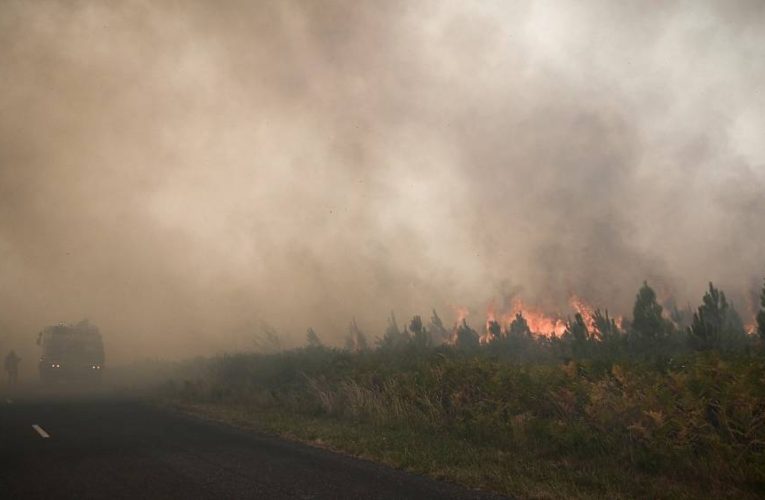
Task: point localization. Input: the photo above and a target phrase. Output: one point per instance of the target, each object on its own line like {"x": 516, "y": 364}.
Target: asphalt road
{"x": 115, "y": 447}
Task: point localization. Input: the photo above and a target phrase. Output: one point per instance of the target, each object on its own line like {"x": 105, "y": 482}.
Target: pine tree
{"x": 268, "y": 340}
{"x": 577, "y": 330}
{"x": 467, "y": 338}
{"x": 761, "y": 315}
{"x": 361, "y": 341}
{"x": 439, "y": 333}
{"x": 394, "y": 338}
{"x": 355, "y": 341}
{"x": 420, "y": 336}
{"x": 312, "y": 339}
{"x": 647, "y": 320}
{"x": 493, "y": 331}
{"x": 577, "y": 335}
{"x": 519, "y": 326}
{"x": 516, "y": 338}
{"x": 716, "y": 324}
{"x": 605, "y": 326}
{"x": 350, "y": 342}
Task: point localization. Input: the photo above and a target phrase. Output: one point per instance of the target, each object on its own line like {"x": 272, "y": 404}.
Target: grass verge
{"x": 520, "y": 472}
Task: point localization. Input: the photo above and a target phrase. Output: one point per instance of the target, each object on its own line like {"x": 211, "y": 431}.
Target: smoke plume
{"x": 180, "y": 172}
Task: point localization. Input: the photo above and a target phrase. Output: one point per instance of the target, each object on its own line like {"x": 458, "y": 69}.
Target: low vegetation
{"x": 643, "y": 410}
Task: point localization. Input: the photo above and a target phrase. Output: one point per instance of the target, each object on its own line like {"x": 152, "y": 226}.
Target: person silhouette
{"x": 12, "y": 367}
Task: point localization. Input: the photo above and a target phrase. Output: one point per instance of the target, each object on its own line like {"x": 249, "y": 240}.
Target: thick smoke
{"x": 180, "y": 172}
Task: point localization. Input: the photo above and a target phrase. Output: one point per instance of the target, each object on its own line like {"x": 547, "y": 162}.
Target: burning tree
{"x": 716, "y": 325}
{"x": 493, "y": 332}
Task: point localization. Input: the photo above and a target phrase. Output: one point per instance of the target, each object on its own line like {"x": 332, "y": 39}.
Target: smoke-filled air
{"x": 187, "y": 174}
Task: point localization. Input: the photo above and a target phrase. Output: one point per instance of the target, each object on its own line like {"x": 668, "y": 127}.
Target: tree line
{"x": 715, "y": 325}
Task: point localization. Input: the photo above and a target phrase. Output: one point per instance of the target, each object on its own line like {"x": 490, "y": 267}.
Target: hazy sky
{"x": 180, "y": 172}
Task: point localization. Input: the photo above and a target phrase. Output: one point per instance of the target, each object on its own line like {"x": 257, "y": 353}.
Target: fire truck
{"x": 71, "y": 353}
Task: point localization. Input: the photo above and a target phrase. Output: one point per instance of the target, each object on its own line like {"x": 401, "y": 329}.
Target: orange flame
{"x": 619, "y": 322}
{"x": 539, "y": 322}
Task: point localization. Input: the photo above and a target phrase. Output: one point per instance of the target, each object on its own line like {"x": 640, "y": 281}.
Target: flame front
{"x": 540, "y": 322}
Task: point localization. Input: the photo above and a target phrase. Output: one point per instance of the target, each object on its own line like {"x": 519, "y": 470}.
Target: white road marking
{"x": 40, "y": 431}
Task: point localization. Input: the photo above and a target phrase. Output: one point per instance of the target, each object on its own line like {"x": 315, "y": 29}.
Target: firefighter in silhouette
{"x": 12, "y": 367}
